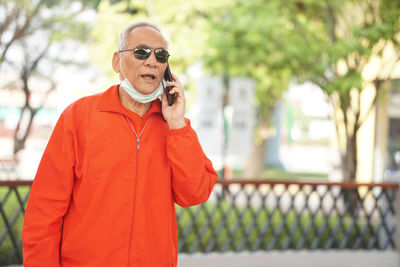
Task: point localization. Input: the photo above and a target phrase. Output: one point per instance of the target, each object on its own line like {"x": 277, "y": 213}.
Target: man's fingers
{"x": 174, "y": 84}
{"x": 176, "y": 79}
{"x": 177, "y": 88}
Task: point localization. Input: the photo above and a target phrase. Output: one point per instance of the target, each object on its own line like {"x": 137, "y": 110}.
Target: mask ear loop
{"x": 120, "y": 59}
{"x": 164, "y": 84}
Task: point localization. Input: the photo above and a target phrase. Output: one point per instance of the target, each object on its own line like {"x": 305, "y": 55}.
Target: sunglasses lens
{"x": 142, "y": 53}
{"x": 162, "y": 55}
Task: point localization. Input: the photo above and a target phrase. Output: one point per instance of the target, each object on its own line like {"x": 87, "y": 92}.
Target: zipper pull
{"x": 138, "y": 144}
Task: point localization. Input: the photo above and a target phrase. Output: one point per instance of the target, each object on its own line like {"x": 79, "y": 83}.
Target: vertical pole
{"x": 396, "y": 206}
{"x": 225, "y": 96}
{"x": 226, "y": 126}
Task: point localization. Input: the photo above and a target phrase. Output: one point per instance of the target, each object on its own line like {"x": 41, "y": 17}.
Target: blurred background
{"x": 275, "y": 88}
{"x": 295, "y": 90}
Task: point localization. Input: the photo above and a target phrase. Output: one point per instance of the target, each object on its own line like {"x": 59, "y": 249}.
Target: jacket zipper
{"x": 133, "y": 129}
{"x": 136, "y": 175}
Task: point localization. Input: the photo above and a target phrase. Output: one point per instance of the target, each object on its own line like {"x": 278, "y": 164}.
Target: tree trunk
{"x": 22, "y": 131}
{"x": 349, "y": 159}
{"x": 349, "y": 170}
{"x": 255, "y": 163}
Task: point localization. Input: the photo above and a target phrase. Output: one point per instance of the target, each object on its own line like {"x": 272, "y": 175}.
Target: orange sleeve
{"x": 49, "y": 200}
{"x": 193, "y": 175}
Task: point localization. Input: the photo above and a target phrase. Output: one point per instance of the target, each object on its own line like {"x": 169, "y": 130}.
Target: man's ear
{"x": 115, "y": 62}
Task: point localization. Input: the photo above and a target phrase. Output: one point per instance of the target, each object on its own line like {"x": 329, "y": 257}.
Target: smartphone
{"x": 168, "y": 77}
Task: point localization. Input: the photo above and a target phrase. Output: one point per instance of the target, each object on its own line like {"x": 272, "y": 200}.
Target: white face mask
{"x": 138, "y": 96}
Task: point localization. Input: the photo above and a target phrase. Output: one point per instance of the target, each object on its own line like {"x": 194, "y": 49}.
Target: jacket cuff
{"x": 181, "y": 131}
{"x": 186, "y": 130}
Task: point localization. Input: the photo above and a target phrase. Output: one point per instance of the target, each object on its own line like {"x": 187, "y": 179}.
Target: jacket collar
{"x": 109, "y": 102}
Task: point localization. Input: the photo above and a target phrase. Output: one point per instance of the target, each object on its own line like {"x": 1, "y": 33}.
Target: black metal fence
{"x": 262, "y": 215}
{"x": 255, "y": 215}
{"x": 13, "y": 198}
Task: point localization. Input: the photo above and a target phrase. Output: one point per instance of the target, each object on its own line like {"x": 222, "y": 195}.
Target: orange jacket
{"x": 99, "y": 201}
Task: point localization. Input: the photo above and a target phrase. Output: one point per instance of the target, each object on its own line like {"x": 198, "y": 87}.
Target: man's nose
{"x": 151, "y": 60}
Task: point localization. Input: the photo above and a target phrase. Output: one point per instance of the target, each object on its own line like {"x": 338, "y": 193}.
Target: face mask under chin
{"x": 138, "y": 96}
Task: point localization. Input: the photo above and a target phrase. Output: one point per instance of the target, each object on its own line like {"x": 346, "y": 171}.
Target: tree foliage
{"x": 33, "y": 34}
{"x": 346, "y": 37}
{"x": 330, "y": 43}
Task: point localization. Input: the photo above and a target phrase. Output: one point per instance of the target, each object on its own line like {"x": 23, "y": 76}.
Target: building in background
{"x": 387, "y": 134}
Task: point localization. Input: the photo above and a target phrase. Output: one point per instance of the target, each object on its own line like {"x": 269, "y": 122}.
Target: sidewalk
{"x": 293, "y": 259}
{"x": 357, "y": 258}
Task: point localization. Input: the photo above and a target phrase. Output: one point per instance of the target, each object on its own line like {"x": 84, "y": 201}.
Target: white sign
{"x": 241, "y": 135}
{"x": 207, "y": 118}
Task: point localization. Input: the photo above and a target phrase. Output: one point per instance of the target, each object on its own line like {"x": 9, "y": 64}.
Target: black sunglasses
{"x": 161, "y": 54}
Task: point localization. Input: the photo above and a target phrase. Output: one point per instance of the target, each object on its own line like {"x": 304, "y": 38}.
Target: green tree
{"x": 245, "y": 39}
{"x": 31, "y": 29}
{"x": 330, "y": 43}
{"x": 338, "y": 43}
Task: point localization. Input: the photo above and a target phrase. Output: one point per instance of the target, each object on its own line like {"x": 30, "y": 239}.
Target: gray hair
{"x": 123, "y": 38}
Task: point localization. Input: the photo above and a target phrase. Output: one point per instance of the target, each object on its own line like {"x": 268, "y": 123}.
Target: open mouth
{"x": 148, "y": 76}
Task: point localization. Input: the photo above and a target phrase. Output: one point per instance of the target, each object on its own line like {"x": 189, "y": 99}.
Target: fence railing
{"x": 255, "y": 215}
{"x": 13, "y": 198}
{"x": 265, "y": 215}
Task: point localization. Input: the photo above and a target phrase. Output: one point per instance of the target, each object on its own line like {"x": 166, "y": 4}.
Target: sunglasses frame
{"x": 148, "y": 53}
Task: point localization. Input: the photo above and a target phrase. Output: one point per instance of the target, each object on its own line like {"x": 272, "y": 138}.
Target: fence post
{"x": 396, "y": 215}
{"x": 396, "y": 206}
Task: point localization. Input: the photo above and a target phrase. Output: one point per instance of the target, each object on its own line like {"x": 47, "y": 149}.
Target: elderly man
{"x": 114, "y": 167}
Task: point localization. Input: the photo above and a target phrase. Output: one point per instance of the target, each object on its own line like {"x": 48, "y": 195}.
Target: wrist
{"x": 177, "y": 124}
